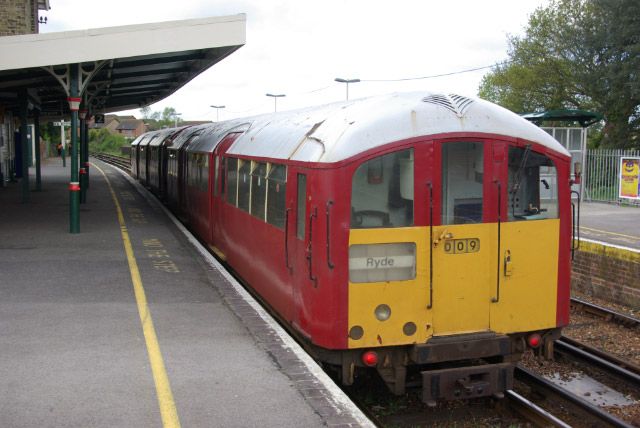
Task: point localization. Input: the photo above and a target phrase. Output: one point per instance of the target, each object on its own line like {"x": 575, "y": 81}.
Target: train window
{"x": 533, "y": 189}
{"x": 232, "y": 181}
{"x": 382, "y": 192}
{"x": 258, "y": 189}
{"x": 198, "y": 171}
{"x": 276, "y": 192}
{"x": 302, "y": 205}
{"x": 203, "y": 172}
{"x": 244, "y": 185}
{"x": 462, "y": 175}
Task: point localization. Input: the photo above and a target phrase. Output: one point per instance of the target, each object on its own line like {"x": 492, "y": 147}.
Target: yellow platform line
{"x": 609, "y": 233}
{"x": 167, "y": 405}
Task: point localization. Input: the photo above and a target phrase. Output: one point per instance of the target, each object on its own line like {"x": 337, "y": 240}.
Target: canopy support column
{"x": 24, "y": 147}
{"x": 74, "y": 185}
{"x": 36, "y": 137}
{"x": 83, "y": 157}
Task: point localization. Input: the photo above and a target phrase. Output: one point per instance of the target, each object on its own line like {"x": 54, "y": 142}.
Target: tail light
{"x": 534, "y": 340}
{"x": 370, "y": 358}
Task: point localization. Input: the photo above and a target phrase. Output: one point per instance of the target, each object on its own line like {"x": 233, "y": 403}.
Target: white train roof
{"x": 336, "y": 132}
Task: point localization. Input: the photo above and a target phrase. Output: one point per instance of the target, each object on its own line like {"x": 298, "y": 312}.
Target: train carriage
{"x": 175, "y": 154}
{"x": 425, "y": 235}
{"x": 156, "y": 155}
{"x": 134, "y": 155}
{"x": 144, "y": 155}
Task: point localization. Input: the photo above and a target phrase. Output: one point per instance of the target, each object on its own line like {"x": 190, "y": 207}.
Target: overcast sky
{"x": 298, "y": 47}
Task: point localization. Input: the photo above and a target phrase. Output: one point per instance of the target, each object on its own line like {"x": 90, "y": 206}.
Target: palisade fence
{"x": 602, "y": 175}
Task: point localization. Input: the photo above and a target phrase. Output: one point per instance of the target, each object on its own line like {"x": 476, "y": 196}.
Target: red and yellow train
{"x": 424, "y": 235}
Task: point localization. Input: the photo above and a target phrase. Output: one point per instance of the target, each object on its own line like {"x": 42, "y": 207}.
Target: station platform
{"x": 131, "y": 323}
{"x": 610, "y": 224}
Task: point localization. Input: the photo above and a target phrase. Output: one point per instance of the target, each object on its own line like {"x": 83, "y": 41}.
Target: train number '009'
{"x": 460, "y": 246}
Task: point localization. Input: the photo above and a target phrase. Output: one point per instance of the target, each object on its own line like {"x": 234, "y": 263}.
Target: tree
{"x": 168, "y": 118}
{"x": 582, "y": 54}
{"x": 145, "y": 112}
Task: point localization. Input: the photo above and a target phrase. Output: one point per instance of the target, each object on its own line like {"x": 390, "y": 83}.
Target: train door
{"x": 525, "y": 295}
{"x": 462, "y": 249}
{"x": 218, "y": 176}
{"x": 297, "y": 217}
{"x": 182, "y": 176}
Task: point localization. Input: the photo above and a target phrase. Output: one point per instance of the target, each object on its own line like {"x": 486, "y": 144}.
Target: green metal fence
{"x": 602, "y": 175}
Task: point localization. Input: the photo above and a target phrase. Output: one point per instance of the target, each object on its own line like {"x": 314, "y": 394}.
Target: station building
{"x": 16, "y": 17}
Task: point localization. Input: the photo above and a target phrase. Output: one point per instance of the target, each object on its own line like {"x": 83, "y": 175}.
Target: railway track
{"x": 532, "y": 412}
{"x": 119, "y": 161}
{"x": 598, "y": 417}
{"x": 606, "y": 313}
{"x": 609, "y": 363}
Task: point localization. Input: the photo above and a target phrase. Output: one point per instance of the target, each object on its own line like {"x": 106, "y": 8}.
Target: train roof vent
{"x": 452, "y": 102}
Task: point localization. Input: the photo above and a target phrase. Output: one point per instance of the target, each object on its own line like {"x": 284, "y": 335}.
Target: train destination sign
{"x": 385, "y": 262}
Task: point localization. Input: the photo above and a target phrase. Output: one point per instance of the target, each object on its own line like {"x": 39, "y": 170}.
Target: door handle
{"x": 312, "y": 277}
{"x": 286, "y": 239}
{"x": 444, "y": 236}
{"x": 508, "y": 267}
{"x": 329, "y": 262}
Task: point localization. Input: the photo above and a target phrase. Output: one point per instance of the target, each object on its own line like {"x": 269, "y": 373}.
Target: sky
{"x": 298, "y": 48}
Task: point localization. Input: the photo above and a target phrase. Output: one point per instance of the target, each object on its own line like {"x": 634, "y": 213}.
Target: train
{"x": 422, "y": 235}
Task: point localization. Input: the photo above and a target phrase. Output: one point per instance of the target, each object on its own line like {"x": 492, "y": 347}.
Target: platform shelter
{"x": 76, "y": 74}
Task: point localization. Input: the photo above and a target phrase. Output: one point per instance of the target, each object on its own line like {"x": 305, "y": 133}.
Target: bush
{"x": 102, "y": 141}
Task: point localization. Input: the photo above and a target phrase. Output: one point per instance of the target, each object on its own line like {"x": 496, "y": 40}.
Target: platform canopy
{"x": 583, "y": 117}
{"x": 119, "y": 67}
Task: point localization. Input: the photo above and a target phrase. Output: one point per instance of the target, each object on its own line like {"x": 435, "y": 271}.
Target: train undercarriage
{"x": 448, "y": 367}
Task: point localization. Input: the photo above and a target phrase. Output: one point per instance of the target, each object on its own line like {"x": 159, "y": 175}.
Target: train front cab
{"x": 459, "y": 248}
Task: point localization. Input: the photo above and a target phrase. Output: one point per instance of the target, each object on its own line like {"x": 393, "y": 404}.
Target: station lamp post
{"x": 217, "y": 112}
{"x": 347, "y": 81}
{"x": 275, "y": 100}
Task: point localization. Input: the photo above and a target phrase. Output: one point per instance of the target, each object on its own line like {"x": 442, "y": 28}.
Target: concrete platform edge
{"x": 607, "y": 244}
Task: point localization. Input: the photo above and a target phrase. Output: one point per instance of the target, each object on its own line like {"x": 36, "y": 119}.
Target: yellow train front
{"x": 425, "y": 236}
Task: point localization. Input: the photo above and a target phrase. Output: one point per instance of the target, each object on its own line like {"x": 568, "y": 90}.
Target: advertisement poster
{"x": 630, "y": 178}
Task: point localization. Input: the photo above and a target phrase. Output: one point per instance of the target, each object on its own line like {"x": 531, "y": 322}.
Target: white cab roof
{"x": 336, "y": 132}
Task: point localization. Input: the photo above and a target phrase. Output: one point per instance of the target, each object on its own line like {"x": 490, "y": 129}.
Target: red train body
{"x": 391, "y": 232}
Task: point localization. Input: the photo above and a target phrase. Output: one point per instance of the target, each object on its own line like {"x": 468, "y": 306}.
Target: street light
{"x": 175, "y": 119}
{"x": 347, "y": 81}
{"x": 217, "y": 112}
{"x": 275, "y": 100}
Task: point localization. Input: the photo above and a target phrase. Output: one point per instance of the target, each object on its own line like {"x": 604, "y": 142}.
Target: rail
{"x": 532, "y": 412}
{"x": 606, "y": 313}
{"x": 118, "y": 161}
{"x": 611, "y": 364}
{"x": 543, "y": 385}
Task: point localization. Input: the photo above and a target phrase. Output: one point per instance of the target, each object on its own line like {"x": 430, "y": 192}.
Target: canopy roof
{"x": 585, "y": 118}
{"x": 122, "y": 67}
